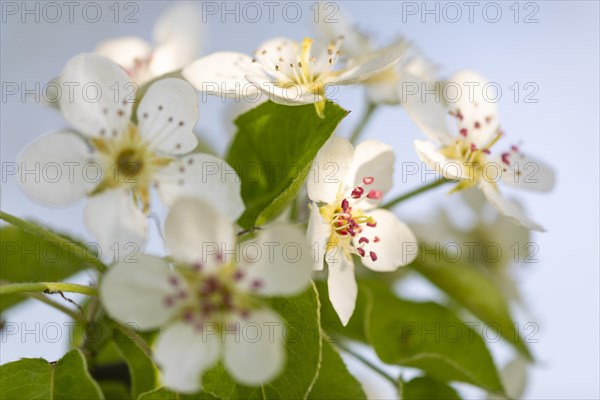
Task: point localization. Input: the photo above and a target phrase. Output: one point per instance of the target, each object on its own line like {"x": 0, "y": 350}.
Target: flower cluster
{"x": 217, "y": 277}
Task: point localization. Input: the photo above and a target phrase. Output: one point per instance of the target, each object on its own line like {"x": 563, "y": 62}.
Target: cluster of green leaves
{"x": 272, "y": 152}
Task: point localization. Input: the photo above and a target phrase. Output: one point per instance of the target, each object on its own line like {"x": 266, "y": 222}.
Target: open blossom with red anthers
{"x": 206, "y": 298}
{"x": 288, "y": 72}
{"x": 177, "y": 39}
{"x": 345, "y": 220}
{"x": 468, "y": 156}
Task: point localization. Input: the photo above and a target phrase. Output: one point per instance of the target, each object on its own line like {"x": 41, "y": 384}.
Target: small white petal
{"x": 277, "y": 263}
{"x": 395, "y": 246}
{"x": 167, "y": 115}
{"x": 135, "y": 292}
{"x": 196, "y": 232}
{"x": 184, "y": 353}
{"x": 178, "y": 38}
{"x": 101, "y": 103}
{"x": 54, "y": 169}
{"x": 525, "y": 172}
{"x": 223, "y": 74}
{"x": 372, "y": 159}
{"x": 371, "y": 64}
{"x": 479, "y": 112}
{"x": 508, "y": 208}
{"x": 427, "y": 112}
{"x": 317, "y": 234}
{"x": 341, "y": 284}
{"x": 449, "y": 168}
{"x": 125, "y": 50}
{"x": 329, "y": 170}
{"x": 258, "y": 354}
{"x": 203, "y": 176}
{"x": 289, "y": 94}
{"x": 115, "y": 220}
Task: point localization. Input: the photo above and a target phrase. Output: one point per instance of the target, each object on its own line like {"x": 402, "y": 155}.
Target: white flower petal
{"x": 277, "y": 263}
{"x": 395, "y": 245}
{"x": 258, "y": 354}
{"x": 178, "y": 38}
{"x": 429, "y": 115}
{"x": 329, "y": 170}
{"x": 167, "y": 115}
{"x": 203, "y": 176}
{"x": 115, "y": 220}
{"x": 372, "y": 159}
{"x": 289, "y": 94}
{"x": 223, "y": 74}
{"x": 368, "y": 65}
{"x": 355, "y": 42}
{"x": 341, "y": 284}
{"x": 135, "y": 292}
{"x": 100, "y": 104}
{"x": 317, "y": 234}
{"x": 57, "y": 165}
{"x": 196, "y": 232}
{"x": 508, "y": 208}
{"x": 479, "y": 112}
{"x": 524, "y": 172}
{"x": 183, "y": 353}
{"x": 449, "y": 168}
{"x": 125, "y": 51}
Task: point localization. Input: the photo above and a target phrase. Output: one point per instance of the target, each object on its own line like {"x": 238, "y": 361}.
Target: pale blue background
{"x": 559, "y": 53}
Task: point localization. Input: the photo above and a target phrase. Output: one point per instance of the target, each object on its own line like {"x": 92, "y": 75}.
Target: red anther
{"x": 373, "y": 255}
{"x": 244, "y": 314}
{"x": 352, "y": 223}
{"x": 459, "y": 115}
{"x": 375, "y": 194}
{"x": 174, "y": 281}
{"x": 238, "y": 275}
{"x": 514, "y": 148}
{"x": 256, "y": 284}
{"x": 345, "y": 205}
{"x": 182, "y": 294}
{"x": 505, "y": 158}
{"x": 488, "y": 119}
{"x": 169, "y": 301}
{"x": 473, "y": 147}
{"x": 376, "y": 239}
{"x": 363, "y": 240}
{"x": 368, "y": 180}
{"x": 343, "y": 232}
{"x": 361, "y": 251}
{"x": 477, "y": 125}
{"x": 188, "y": 316}
{"x": 486, "y": 151}
{"x": 372, "y": 224}
{"x": 351, "y": 231}
{"x": 346, "y": 215}
{"x": 357, "y": 192}
{"x": 463, "y": 132}
{"x": 198, "y": 266}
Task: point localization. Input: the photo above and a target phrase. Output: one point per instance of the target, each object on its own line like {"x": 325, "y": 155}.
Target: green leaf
{"x": 273, "y": 152}
{"x": 472, "y": 287}
{"x": 29, "y": 258}
{"x": 35, "y": 378}
{"x": 166, "y": 394}
{"x": 142, "y": 371}
{"x": 334, "y": 380}
{"x": 330, "y": 322}
{"x": 426, "y": 388}
{"x": 114, "y": 390}
{"x": 430, "y": 337}
{"x": 303, "y": 350}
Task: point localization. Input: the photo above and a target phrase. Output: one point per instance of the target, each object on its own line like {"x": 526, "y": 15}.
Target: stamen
{"x": 361, "y": 251}
{"x": 375, "y": 194}
{"x": 363, "y": 240}
{"x": 368, "y": 180}
{"x": 357, "y": 192}
{"x": 373, "y": 255}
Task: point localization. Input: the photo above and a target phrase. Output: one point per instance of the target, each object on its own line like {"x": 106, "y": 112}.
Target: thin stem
{"x": 371, "y": 107}
{"x": 46, "y": 287}
{"x": 415, "y": 192}
{"x": 71, "y": 313}
{"x": 131, "y": 334}
{"x": 78, "y": 250}
{"x": 368, "y": 363}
